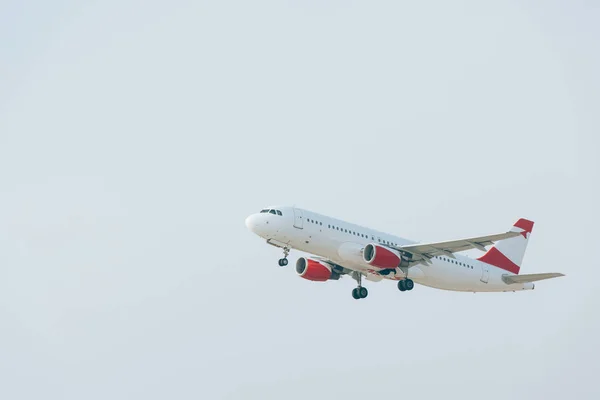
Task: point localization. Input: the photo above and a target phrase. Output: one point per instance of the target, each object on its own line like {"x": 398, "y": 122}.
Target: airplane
{"x": 341, "y": 248}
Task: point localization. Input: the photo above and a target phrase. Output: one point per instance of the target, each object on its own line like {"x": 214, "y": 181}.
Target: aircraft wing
{"x": 423, "y": 252}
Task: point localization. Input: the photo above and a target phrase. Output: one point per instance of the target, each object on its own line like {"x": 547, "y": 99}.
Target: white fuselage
{"x": 343, "y": 242}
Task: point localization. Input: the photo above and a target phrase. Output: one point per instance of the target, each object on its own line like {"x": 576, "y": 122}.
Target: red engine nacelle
{"x": 314, "y": 270}
{"x": 381, "y": 257}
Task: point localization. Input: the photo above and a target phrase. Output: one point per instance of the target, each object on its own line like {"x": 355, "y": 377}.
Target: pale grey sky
{"x": 136, "y": 136}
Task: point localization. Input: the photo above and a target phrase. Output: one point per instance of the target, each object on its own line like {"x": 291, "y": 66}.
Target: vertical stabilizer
{"x": 508, "y": 254}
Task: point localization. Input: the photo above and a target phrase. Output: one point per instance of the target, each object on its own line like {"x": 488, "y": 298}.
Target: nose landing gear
{"x": 284, "y": 261}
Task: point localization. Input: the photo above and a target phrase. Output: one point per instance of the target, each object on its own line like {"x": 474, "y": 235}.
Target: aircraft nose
{"x": 251, "y": 222}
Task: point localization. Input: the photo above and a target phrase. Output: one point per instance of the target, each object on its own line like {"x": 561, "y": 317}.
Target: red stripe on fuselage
{"x": 497, "y": 259}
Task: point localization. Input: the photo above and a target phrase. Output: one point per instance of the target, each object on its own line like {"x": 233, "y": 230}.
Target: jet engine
{"x": 315, "y": 270}
{"x": 383, "y": 257}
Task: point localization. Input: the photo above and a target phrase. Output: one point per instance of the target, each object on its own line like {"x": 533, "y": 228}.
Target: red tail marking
{"x": 496, "y": 258}
{"x": 526, "y": 225}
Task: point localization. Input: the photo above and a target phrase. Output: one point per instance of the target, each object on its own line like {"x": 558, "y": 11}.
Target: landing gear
{"x": 406, "y": 284}
{"x": 359, "y": 292}
{"x": 284, "y": 261}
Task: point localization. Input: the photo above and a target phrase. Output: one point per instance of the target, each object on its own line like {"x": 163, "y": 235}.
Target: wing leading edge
{"x": 424, "y": 252}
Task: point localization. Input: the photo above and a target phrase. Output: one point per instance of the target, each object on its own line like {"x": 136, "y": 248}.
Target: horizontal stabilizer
{"x": 510, "y": 279}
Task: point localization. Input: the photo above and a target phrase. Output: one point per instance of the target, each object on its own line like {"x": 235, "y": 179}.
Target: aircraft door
{"x": 298, "y": 223}
{"x": 485, "y": 273}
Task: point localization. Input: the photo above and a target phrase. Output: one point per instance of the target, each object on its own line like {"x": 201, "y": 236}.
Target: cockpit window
{"x": 272, "y": 212}
{"x": 264, "y": 211}
{"x": 279, "y": 212}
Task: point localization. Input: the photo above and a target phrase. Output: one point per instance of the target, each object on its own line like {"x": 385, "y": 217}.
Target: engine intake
{"x": 383, "y": 257}
{"x": 315, "y": 270}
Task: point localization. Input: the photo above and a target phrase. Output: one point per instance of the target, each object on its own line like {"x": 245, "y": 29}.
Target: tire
{"x": 355, "y": 293}
{"x": 409, "y": 284}
{"x": 363, "y": 292}
{"x": 401, "y": 286}
{"x": 284, "y": 262}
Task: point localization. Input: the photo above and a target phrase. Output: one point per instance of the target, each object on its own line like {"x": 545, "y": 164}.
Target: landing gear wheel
{"x": 359, "y": 292}
{"x": 283, "y": 261}
{"x": 409, "y": 284}
{"x": 402, "y": 286}
{"x": 362, "y": 292}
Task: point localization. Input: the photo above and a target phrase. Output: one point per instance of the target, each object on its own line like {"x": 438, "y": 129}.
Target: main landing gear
{"x": 406, "y": 284}
{"x": 284, "y": 261}
{"x": 359, "y": 292}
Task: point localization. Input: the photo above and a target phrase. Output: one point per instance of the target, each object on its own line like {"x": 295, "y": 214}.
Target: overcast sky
{"x": 136, "y": 136}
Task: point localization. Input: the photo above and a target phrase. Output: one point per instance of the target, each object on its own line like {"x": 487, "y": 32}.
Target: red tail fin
{"x": 508, "y": 254}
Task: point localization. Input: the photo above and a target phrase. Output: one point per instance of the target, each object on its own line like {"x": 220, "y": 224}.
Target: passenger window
{"x": 272, "y": 212}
